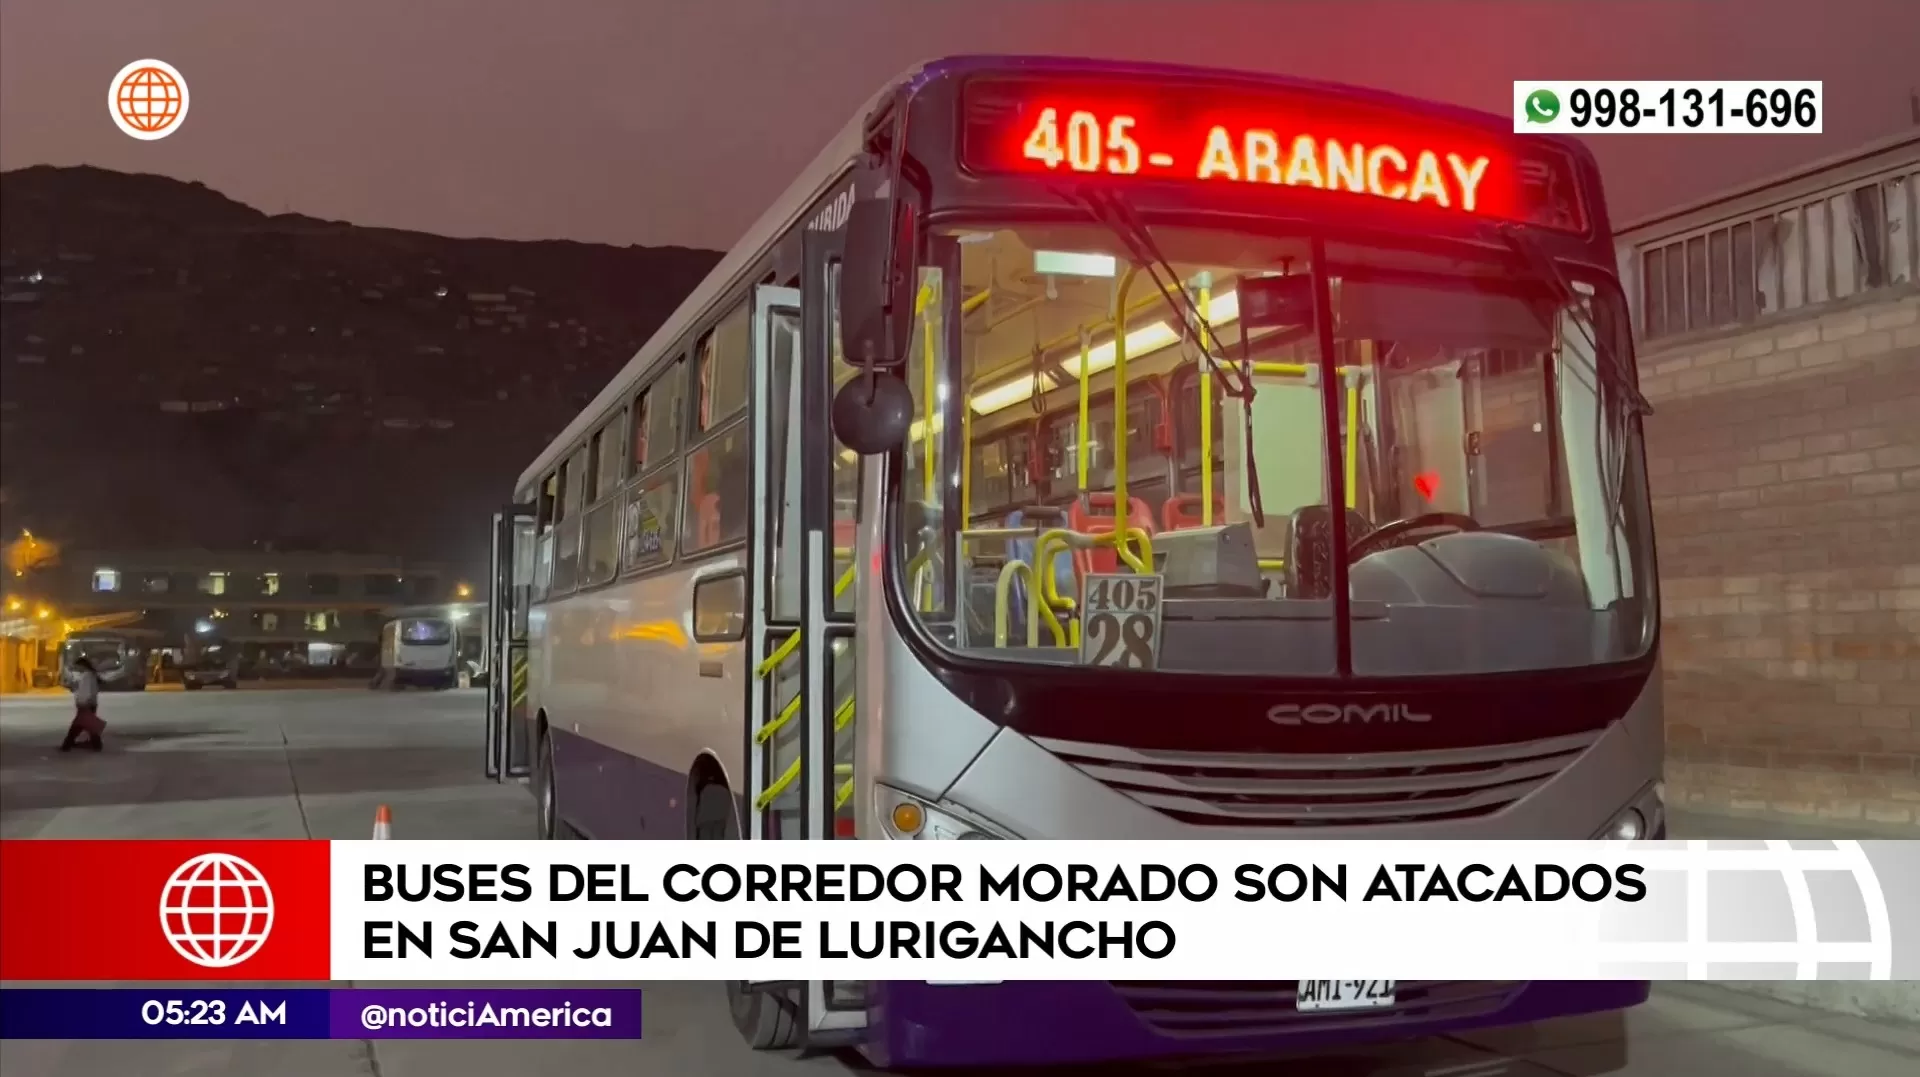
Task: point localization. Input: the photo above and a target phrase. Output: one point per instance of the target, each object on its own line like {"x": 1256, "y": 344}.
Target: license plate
{"x": 1320, "y": 995}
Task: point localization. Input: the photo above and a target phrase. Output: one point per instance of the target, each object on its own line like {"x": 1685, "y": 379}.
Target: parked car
{"x": 224, "y": 673}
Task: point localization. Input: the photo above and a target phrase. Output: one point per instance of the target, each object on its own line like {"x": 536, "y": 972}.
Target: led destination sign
{"x": 1283, "y": 137}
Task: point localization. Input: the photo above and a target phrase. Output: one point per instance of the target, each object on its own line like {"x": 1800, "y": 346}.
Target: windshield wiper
{"x": 1609, "y": 366}
{"x": 1612, "y": 378}
{"x": 1110, "y": 210}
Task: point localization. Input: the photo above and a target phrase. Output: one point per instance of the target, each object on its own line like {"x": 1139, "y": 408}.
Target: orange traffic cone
{"x": 382, "y": 823}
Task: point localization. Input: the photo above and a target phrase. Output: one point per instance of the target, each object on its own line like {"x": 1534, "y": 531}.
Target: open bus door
{"x": 801, "y": 704}
{"x": 509, "y": 734}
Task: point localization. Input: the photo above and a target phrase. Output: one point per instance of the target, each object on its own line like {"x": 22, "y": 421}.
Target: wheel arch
{"x": 707, "y": 771}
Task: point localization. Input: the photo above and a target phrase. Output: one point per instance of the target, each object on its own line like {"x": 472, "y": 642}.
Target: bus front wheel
{"x": 765, "y": 1019}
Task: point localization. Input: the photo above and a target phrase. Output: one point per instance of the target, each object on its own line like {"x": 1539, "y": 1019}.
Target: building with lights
{"x": 291, "y": 613}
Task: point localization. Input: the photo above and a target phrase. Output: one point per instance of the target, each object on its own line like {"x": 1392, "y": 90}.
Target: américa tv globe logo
{"x": 148, "y": 99}
{"x": 216, "y": 910}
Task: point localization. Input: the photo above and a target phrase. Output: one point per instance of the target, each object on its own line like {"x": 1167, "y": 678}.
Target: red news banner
{"x": 119, "y": 888}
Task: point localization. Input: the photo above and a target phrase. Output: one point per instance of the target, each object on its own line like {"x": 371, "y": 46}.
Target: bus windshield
{"x": 425, "y": 632}
{"x": 104, "y": 654}
{"x": 1489, "y": 472}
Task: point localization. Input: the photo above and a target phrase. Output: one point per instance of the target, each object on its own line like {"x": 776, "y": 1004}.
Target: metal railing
{"x": 1844, "y": 227}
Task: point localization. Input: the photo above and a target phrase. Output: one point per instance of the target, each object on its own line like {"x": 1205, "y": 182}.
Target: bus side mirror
{"x": 876, "y": 285}
{"x": 873, "y": 411}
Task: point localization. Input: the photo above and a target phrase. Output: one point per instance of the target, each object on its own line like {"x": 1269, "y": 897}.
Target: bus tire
{"x": 767, "y": 1020}
{"x": 546, "y": 793}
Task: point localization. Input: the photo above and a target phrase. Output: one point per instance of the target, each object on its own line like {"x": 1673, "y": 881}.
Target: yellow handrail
{"x": 1351, "y": 375}
{"x": 1299, "y": 370}
{"x": 1207, "y": 344}
{"x": 1122, "y": 507}
{"x": 1121, "y": 539}
{"x": 1080, "y": 453}
{"x": 1353, "y": 441}
{"x": 966, "y": 463}
{"x": 769, "y": 729}
{"x": 1003, "y": 602}
{"x": 841, "y": 719}
{"x": 918, "y": 566}
{"x": 1025, "y": 365}
{"x": 929, "y": 380}
{"x": 1045, "y": 552}
{"x": 780, "y": 653}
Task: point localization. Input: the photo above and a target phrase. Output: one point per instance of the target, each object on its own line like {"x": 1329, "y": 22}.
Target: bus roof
{"x": 832, "y": 161}
{"x": 813, "y": 182}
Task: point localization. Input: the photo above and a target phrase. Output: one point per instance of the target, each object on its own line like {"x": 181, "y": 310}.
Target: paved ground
{"x": 316, "y": 764}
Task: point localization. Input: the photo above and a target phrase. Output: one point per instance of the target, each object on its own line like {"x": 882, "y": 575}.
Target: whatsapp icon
{"x": 1542, "y": 106}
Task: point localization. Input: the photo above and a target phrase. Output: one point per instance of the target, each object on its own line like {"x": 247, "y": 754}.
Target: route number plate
{"x": 1120, "y": 621}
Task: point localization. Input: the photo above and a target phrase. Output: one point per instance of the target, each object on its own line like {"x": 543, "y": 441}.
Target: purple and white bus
{"x": 1104, "y": 450}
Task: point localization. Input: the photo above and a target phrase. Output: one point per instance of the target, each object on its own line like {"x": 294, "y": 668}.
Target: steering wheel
{"x": 1391, "y": 534}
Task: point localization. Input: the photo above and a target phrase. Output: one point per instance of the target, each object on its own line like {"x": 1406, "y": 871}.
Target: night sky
{"x": 676, "y": 123}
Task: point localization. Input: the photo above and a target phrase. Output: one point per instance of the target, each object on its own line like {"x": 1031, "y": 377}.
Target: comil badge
{"x": 216, "y": 910}
{"x": 148, "y": 99}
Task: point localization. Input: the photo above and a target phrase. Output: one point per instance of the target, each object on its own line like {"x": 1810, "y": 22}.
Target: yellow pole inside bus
{"x": 1206, "y": 403}
{"x": 921, "y": 309}
{"x": 1080, "y": 428}
{"x": 1123, "y": 517}
{"x": 1353, "y": 436}
{"x": 966, "y": 460}
{"x": 966, "y": 418}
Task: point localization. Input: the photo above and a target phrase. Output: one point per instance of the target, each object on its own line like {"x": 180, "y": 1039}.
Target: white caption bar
{"x": 1104, "y": 910}
{"x": 1666, "y": 108}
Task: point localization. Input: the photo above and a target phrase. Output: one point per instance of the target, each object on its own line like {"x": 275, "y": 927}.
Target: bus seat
{"x": 1093, "y": 514}
{"x": 1309, "y": 553}
{"x": 1182, "y": 511}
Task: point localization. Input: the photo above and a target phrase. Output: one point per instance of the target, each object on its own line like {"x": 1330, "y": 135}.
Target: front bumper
{"x": 915, "y": 1024}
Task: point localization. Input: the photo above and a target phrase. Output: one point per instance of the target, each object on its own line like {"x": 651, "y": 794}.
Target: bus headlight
{"x": 1645, "y": 819}
{"x": 1627, "y": 826}
{"x": 910, "y": 818}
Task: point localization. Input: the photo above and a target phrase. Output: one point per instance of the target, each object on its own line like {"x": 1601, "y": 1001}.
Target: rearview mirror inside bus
{"x": 875, "y": 283}
{"x": 1276, "y": 302}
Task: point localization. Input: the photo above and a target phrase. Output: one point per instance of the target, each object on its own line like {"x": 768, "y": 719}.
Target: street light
{"x": 43, "y": 613}
{"x": 461, "y": 590}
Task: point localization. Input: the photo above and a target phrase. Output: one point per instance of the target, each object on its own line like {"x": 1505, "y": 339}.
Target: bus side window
{"x": 656, "y": 427}
{"x": 718, "y": 467}
{"x": 590, "y": 487}
{"x": 723, "y": 371}
{"x": 573, "y": 492}
{"x": 601, "y": 546}
{"x": 549, "y": 502}
{"x": 606, "y": 465}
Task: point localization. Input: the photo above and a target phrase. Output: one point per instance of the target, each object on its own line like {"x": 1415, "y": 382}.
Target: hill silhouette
{"x": 181, "y": 369}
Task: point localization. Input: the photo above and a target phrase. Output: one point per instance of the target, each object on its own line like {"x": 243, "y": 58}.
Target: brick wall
{"x": 1785, "y": 464}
